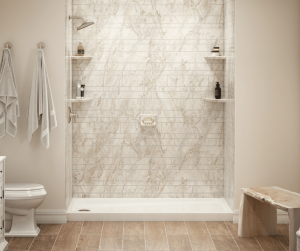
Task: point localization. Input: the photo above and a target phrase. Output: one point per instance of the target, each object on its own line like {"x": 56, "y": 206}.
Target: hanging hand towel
{"x": 9, "y": 106}
{"x": 41, "y": 108}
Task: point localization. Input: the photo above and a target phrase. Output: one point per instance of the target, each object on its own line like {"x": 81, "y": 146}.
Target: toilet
{"x": 21, "y": 201}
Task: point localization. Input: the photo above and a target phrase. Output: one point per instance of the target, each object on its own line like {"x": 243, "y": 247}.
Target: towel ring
{"x": 8, "y": 45}
{"x": 41, "y": 45}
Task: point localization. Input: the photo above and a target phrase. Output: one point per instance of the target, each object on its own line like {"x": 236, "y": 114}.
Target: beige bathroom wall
{"x": 267, "y": 94}
{"x": 25, "y": 24}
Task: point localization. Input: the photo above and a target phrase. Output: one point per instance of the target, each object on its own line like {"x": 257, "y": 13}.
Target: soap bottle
{"x": 78, "y": 88}
{"x": 82, "y": 90}
{"x": 80, "y": 49}
{"x": 218, "y": 91}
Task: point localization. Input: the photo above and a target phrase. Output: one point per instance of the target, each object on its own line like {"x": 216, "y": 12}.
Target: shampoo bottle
{"x": 80, "y": 49}
{"x": 218, "y": 91}
{"x": 82, "y": 91}
{"x": 78, "y": 88}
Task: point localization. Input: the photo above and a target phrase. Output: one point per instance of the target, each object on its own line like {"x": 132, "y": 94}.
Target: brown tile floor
{"x": 141, "y": 236}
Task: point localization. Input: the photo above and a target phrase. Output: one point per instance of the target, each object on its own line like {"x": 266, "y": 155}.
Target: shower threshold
{"x": 149, "y": 209}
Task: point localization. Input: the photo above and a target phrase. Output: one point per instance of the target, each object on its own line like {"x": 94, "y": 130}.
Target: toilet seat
{"x": 23, "y": 191}
{"x": 22, "y": 186}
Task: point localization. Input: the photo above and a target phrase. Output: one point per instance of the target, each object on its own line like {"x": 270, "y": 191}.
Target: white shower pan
{"x": 149, "y": 209}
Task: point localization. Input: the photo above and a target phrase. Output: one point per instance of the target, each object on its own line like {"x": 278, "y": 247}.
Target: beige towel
{"x": 41, "y": 108}
{"x": 9, "y": 106}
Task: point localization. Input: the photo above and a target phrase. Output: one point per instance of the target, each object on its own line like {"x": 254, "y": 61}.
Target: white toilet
{"x": 21, "y": 201}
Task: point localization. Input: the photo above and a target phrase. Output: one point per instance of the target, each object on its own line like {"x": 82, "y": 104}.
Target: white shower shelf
{"x": 216, "y": 100}
{"x": 74, "y": 100}
{"x": 81, "y": 57}
{"x": 218, "y": 57}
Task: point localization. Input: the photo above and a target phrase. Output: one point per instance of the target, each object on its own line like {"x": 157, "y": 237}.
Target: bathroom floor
{"x": 154, "y": 236}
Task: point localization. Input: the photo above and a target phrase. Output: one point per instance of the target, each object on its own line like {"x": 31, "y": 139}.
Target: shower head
{"x": 84, "y": 23}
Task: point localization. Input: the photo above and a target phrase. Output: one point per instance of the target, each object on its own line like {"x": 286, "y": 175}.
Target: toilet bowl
{"x": 21, "y": 201}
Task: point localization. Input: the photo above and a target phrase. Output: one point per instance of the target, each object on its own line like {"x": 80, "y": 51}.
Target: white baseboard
{"x": 282, "y": 217}
{"x": 55, "y": 216}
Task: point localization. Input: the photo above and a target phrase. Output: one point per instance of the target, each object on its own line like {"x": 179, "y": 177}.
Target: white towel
{"x": 9, "y": 105}
{"x": 41, "y": 108}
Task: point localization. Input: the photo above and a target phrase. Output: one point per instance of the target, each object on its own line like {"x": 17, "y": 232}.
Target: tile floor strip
{"x": 20, "y": 243}
{"x": 31, "y": 244}
{"x": 232, "y": 236}
{"x": 91, "y": 230}
{"x": 101, "y": 236}
{"x": 210, "y": 235}
{"x": 79, "y": 236}
{"x": 258, "y": 243}
{"x": 145, "y": 234}
{"x": 123, "y": 237}
{"x": 188, "y": 236}
{"x": 56, "y": 237}
{"x": 280, "y": 242}
{"x": 167, "y": 236}
{"x": 270, "y": 243}
{"x": 34, "y": 238}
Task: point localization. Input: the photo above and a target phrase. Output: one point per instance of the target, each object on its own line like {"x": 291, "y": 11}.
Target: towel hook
{"x": 41, "y": 45}
{"x": 8, "y": 45}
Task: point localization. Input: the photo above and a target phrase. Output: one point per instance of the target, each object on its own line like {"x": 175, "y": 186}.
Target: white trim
{"x": 54, "y": 216}
{"x": 282, "y": 217}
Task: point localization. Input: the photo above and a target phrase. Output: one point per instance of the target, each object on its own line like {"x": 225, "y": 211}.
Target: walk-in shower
{"x": 154, "y": 60}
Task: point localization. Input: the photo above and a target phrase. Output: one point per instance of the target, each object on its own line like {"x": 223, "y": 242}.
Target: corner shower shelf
{"x": 81, "y": 57}
{"x": 74, "y": 100}
{"x": 216, "y": 100}
{"x": 218, "y": 57}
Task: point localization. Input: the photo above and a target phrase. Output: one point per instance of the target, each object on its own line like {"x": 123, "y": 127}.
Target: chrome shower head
{"x": 84, "y": 23}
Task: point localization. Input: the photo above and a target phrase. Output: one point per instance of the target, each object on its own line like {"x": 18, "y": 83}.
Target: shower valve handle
{"x": 73, "y": 115}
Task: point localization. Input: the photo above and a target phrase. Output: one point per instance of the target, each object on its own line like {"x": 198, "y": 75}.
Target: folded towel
{"x": 41, "y": 108}
{"x": 9, "y": 105}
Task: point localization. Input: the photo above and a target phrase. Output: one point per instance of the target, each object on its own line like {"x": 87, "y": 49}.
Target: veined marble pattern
{"x": 149, "y": 58}
{"x": 68, "y": 95}
{"x": 229, "y": 113}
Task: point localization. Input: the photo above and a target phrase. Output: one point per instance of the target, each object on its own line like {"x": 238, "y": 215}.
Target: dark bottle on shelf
{"x": 218, "y": 91}
{"x": 82, "y": 91}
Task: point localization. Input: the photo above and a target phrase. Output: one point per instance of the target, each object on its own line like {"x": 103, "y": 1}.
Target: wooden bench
{"x": 258, "y": 212}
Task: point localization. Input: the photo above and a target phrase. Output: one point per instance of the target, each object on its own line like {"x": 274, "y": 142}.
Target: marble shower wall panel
{"x": 229, "y": 125}
{"x": 68, "y": 95}
{"x": 149, "y": 58}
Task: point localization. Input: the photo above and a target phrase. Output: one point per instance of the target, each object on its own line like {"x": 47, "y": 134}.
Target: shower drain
{"x": 84, "y": 210}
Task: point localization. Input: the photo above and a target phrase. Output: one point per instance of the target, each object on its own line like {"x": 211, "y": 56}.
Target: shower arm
{"x": 76, "y": 17}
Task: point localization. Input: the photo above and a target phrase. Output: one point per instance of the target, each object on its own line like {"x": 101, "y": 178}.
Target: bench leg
{"x": 256, "y": 218}
{"x": 294, "y": 217}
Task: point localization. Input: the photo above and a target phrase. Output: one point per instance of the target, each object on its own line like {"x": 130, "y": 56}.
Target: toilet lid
{"x": 22, "y": 187}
